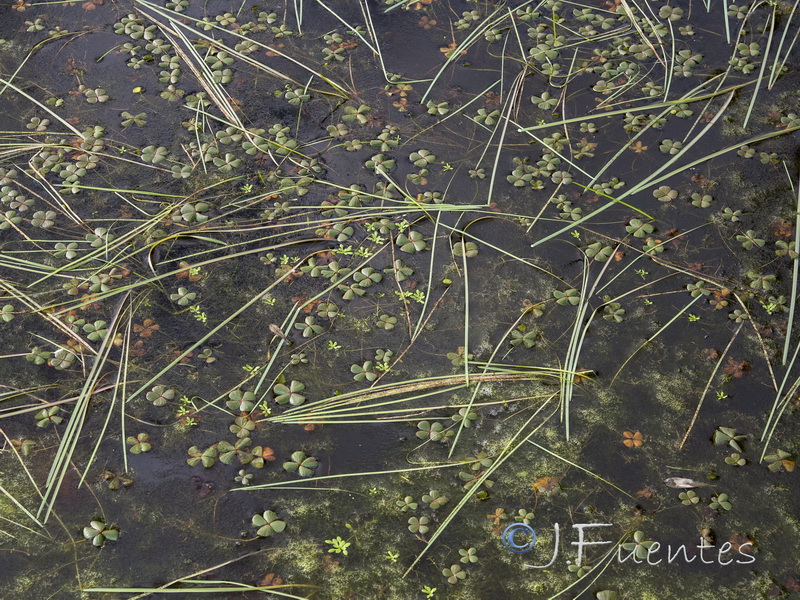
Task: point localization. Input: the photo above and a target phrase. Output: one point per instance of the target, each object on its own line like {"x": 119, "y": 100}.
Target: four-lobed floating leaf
{"x": 304, "y": 465}
{"x": 290, "y": 394}
{"x": 268, "y": 523}
{"x": 99, "y": 533}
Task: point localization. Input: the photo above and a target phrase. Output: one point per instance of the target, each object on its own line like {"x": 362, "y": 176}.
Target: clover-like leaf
{"x": 137, "y": 120}
{"x": 268, "y": 523}
{"x": 242, "y": 427}
{"x": 454, "y": 574}
{"x": 159, "y": 395}
{"x": 205, "y": 457}
{"x": 183, "y": 296}
{"x": 309, "y": 326}
{"x": 411, "y": 242}
{"x": 418, "y": 525}
{"x": 639, "y": 228}
{"x": 289, "y": 394}
{"x": 304, "y": 465}
{"x": 570, "y": 296}
{"x": 468, "y": 249}
{"x": 48, "y": 416}
{"x": 364, "y": 371}
{"x": 639, "y": 546}
{"x": 422, "y": 158}
{"x": 139, "y": 443}
{"x": 720, "y": 502}
{"x": 728, "y": 435}
{"x": 154, "y": 154}
{"x": 240, "y": 401}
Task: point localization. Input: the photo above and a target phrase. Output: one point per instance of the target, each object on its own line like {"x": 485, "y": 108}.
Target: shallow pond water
{"x": 398, "y": 299}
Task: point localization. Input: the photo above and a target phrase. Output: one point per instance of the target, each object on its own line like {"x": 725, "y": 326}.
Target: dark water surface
{"x": 620, "y": 327}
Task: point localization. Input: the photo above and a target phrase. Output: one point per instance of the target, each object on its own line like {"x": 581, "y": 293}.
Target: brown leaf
{"x": 737, "y": 540}
{"x": 782, "y": 228}
{"x": 185, "y": 273}
{"x": 719, "y": 301}
{"x": 736, "y": 369}
{"x": 202, "y": 487}
{"x": 493, "y": 99}
{"x": 632, "y": 440}
{"x": 147, "y": 328}
{"x": 765, "y": 331}
{"x": 497, "y": 516}
{"x": 699, "y": 179}
{"x": 276, "y": 47}
{"x": 88, "y": 302}
{"x": 270, "y": 579}
{"x": 449, "y": 49}
{"x": 546, "y": 484}
{"x": 329, "y": 565}
{"x": 792, "y": 583}
{"x": 638, "y": 147}
{"x": 427, "y": 23}
{"x": 581, "y": 375}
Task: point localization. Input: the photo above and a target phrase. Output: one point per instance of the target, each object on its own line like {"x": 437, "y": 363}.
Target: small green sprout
{"x": 338, "y": 545}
